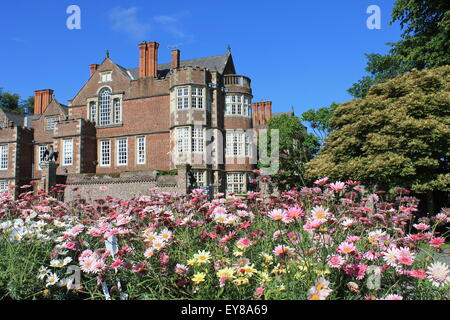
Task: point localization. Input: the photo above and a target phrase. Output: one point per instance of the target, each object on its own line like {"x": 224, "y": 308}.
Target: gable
{"x": 54, "y": 108}
{"x": 120, "y": 82}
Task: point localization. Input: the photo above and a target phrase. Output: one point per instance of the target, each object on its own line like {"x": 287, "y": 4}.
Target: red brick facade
{"x": 153, "y": 117}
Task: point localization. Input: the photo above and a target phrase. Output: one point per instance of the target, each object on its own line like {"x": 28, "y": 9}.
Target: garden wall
{"x": 126, "y": 185}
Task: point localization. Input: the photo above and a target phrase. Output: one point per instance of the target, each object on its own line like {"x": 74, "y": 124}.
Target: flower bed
{"x": 332, "y": 241}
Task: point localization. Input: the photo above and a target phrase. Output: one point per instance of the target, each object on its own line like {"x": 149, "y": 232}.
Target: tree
{"x": 425, "y": 43}
{"x": 296, "y": 147}
{"x": 12, "y": 103}
{"x": 319, "y": 121}
{"x": 29, "y": 104}
{"x": 9, "y": 102}
{"x": 399, "y": 135}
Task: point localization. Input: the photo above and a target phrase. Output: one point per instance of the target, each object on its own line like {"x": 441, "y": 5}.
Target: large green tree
{"x": 399, "y": 135}
{"x": 11, "y": 102}
{"x": 296, "y": 147}
{"x": 319, "y": 121}
{"x": 425, "y": 43}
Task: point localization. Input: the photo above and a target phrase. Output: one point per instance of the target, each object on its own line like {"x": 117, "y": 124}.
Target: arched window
{"x": 105, "y": 106}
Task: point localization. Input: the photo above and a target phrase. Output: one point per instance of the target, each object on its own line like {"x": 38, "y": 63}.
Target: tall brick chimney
{"x": 262, "y": 112}
{"x": 175, "y": 59}
{"x": 42, "y": 99}
{"x": 148, "y": 59}
{"x": 94, "y": 68}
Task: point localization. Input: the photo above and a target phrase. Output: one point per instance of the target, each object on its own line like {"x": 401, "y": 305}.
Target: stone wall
{"x": 127, "y": 185}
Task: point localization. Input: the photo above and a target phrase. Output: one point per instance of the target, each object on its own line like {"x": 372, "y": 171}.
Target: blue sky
{"x": 301, "y": 53}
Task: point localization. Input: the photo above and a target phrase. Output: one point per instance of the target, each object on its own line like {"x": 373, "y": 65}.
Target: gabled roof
{"x": 17, "y": 119}
{"x": 215, "y": 63}
{"x": 64, "y": 109}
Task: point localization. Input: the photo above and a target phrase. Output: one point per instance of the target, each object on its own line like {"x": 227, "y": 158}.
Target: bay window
{"x": 238, "y": 105}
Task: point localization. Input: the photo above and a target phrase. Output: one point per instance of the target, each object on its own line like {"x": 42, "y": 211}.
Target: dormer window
{"x": 106, "y": 77}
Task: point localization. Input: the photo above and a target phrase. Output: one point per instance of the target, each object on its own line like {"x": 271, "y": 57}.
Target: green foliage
{"x": 173, "y": 172}
{"x": 19, "y": 267}
{"x": 12, "y": 103}
{"x": 296, "y": 148}
{"x": 319, "y": 121}
{"x": 425, "y": 43}
{"x": 399, "y": 135}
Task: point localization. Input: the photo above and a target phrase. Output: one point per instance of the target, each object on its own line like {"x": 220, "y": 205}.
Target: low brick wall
{"x": 125, "y": 186}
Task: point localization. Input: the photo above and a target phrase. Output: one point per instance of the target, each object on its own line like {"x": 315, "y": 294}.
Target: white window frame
{"x": 236, "y": 145}
{"x": 197, "y": 98}
{"x": 93, "y": 111}
{"x": 117, "y": 110}
{"x": 105, "y": 153}
{"x": 50, "y": 123}
{"x": 106, "y": 77}
{"x": 183, "y": 139}
{"x": 182, "y": 98}
{"x": 104, "y": 109}
{"x": 200, "y": 177}
{"x": 122, "y": 152}
{"x": 198, "y": 140}
{"x": 67, "y": 152}
{"x": 4, "y": 156}
{"x": 236, "y": 182}
{"x": 141, "y": 150}
{"x": 41, "y": 150}
{"x": 4, "y": 186}
{"x": 238, "y": 105}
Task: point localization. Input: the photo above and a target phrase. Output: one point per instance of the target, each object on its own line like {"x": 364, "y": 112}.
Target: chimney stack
{"x": 175, "y": 59}
{"x": 42, "y": 99}
{"x": 262, "y": 112}
{"x": 94, "y": 68}
{"x": 148, "y": 59}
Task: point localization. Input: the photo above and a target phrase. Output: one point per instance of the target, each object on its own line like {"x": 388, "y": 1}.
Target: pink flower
{"x": 315, "y": 224}
{"x": 393, "y": 297}
{"x": 336, "y": 261}
{"x": 421, "y": 274}
{"x": 405, "y": 257}
{"x": 281, "y": 250}
{"x": 337, "y": 186}
{"x": 321, "y": 181}
{"x": 356, "y": 270}
{"x": 294, "y": 237}
{"x": 71, "y": 245}
{"x": 277, "y": 214}
{"x": 181, "y": 269}
{"x": 103, "y": 188}
{"x": 437, "y": 242}
{"x": 295, "y": 213}
{"x": 116, "y": 264}
{"x": 352, "y": 239}
{"x": 421, "y": 226}
{"x": 245, "y": 242}
{"x": 346, "y": 248}
{"x": 259, "y": 292}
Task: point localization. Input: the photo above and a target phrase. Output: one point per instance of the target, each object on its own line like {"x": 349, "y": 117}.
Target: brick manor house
{"x": 153, "y": 117}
